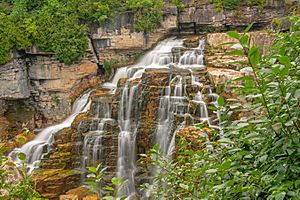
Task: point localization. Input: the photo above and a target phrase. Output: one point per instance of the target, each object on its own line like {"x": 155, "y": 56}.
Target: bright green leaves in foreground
{"x": 11, "y": 190}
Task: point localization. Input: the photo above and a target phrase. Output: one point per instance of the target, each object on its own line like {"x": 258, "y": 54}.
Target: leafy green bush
{"x": 22, "y": 190}
{"x": 147, "y": 13}
{"x": 257, "y": 156}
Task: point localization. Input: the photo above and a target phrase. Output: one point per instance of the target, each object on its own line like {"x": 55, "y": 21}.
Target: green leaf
{"x": 280, "y": 196}
{"x": 21, "y": 139}
{"x": 233, "y": 34}
{"x": 236, "y": 53}
{"x": 109, "y": 188}
{"x": 254, "y": 56}
{"x": 201, "y": 125}
{"x": 91, "y": 176}
{"x": 92, "y": 169}
{"x": 108, "y": 198}
{"x": 90, "y": 183}
{"x": 116, "y": 181}
{"x": 211, "y": 171}
{"x": 186, "y": 187}
{"x": 248, "y": 27}
{"x": 285, "y": 61}
{"x": 221, "y": 101}
{"x": 212, "y": 108}
{"x": 244, "y": 40}
{"x": 225, "y": 165}
{"x": 22, "y": 156}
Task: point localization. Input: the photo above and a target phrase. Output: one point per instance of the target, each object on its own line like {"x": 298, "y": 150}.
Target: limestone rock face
{"x": 13, "y": 80}
{"x": 54, "y": 84}
{"x": 224, "y": 67}
{"x": 40, "y": 91}
{"x": 52, "y": 182}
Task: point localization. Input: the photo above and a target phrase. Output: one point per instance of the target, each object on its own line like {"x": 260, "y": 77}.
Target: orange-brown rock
{"x": 4, "y": 123}
{"x": 51, "y": 183}
{"x": 194, "y": 136}
{"x": 79, "y": 193}
{"x": 91, "y": 197}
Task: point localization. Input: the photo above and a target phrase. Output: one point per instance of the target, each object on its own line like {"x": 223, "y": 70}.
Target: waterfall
{"x": 41, "y": 144}
{"x": 173, "y": 103}
{"x": 173, "y": 111}
{"x": 127, "y": 140}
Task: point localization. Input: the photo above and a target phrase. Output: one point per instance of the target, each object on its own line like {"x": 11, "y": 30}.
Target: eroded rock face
{"x": 54, "y": 84}
{"x": 13, "y": 80}
{"x": 203, "y": 13}
{"x": 52, "y": 182}
{"x": 224, "y": 67}
{"x": 40, "y": 92}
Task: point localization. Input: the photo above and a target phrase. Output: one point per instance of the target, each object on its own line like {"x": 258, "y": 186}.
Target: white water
{"x": 41, "y": 145}
{"x": 93, "y": 141}
{"x": 173, "y": 101}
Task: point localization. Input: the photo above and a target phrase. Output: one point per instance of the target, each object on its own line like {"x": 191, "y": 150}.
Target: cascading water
{"x": 127, "y": 140}
{"x": 41, "y": 145}
{"x": 173, "y": 101}
{"x": 173, "y": 104}
{"x": 93, "y": 140}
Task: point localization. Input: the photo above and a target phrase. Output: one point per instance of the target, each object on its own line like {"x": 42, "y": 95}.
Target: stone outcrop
{"x": 54, "y": 84}
{"x": 205, "y": 15}
{"x": 196, "y": 137}
{"x": 52, "y": 182}
{"x": 223, "y": 66}
{"x": 14, "y": 83}
{"x": 81, "y": 193}
{"x": 40, "y": 92}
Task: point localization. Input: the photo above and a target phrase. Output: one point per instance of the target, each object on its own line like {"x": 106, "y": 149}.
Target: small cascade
{"x": 126, "y": 166}
{"x": 172, "y": 102}
{"x": 41, "y": 145}
{"x": 93, "y": 140}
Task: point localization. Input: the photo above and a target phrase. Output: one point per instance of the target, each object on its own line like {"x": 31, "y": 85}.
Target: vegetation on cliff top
{"x": 62, "y": 26}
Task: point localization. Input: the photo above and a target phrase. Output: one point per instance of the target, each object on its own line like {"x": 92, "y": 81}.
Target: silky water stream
{"x": 42, "y": 143}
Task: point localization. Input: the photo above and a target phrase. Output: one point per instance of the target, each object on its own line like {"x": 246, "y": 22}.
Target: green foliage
{"x": 147, "y": 13}
{"x": 21, "y": 190}
{"x": 95, "y": 177}
{"x": 62, "y": 27}
{"x": 179, "y": 4}
{"x": 257, "y": 155}
{"x": 107, "y": 67}
{"x": 13, "y": 34}
{"x": 235, "y": 4}
{"x": 59, "y": 31}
